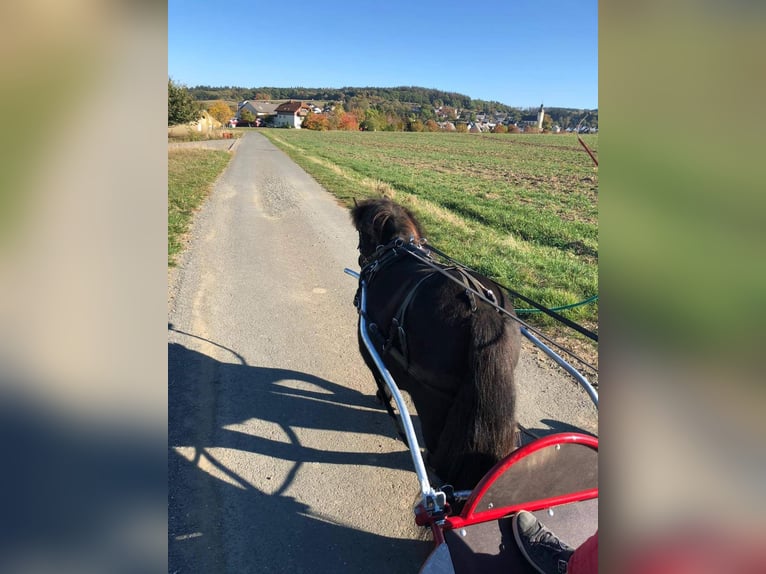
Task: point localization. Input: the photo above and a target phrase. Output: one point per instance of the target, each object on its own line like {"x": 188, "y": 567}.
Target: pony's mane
{"x": 384, "y": 220}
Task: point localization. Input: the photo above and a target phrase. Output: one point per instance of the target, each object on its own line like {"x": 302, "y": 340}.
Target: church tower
{"x": 540, "y": 116}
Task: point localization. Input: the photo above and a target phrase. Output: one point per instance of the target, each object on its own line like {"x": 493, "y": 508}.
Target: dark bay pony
{"x": 452, "y": 352}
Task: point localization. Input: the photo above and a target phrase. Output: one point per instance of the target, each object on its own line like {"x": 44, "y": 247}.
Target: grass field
{"x": 520, "y": 208}
{"x": 190, "y": 175}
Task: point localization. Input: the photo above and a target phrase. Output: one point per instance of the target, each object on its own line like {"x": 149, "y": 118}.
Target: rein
{"x": 550, "y": 312}
{"x": 385, "y": 254}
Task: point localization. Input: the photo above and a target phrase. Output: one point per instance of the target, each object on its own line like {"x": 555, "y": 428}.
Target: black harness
{"x": 394, "y": 342}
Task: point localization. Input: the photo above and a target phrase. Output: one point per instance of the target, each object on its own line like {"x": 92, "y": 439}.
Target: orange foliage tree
{"x": 318, "y": 122}
{"x": 348, "y": 122}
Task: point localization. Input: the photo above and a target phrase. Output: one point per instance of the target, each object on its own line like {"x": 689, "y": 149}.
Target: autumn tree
{"x": 461, "y": 127}
{"x": 182, "y": 108}
{"x": 335, "y": 116}
{"x": 431, "y": 126}
{"x": 221, "y": 111}
{"x": 348, "y": 122}
{"x": 415, "y": 126}
{"x": 500, "y": 129}
{"x": 547, "y": 122}
{"x": 513, "y": 129}
{"x": 262, "y": 96}
{"x": 318, "y": 122}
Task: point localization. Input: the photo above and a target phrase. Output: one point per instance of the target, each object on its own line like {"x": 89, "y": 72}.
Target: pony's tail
{"x": 494, "y": 355}
{"x": 481, "y": 425}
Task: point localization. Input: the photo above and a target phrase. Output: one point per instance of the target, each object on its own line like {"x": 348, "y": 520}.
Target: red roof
{"x": 290, "y": 107}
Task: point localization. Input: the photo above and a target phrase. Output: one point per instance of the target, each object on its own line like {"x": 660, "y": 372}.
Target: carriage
{"x": 555, "y": 476}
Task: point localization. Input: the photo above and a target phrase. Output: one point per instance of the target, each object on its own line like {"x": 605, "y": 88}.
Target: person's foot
{"x": 544, "y": 551}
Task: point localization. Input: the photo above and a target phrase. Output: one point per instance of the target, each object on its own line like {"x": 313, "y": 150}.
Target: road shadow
{"x": 268, "y": 532}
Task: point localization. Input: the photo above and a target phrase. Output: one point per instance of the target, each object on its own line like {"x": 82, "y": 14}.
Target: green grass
{"x": 191, "y": 173}
{"x": 521, "y": 208}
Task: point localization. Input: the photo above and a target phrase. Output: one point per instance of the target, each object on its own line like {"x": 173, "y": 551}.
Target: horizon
{"x": 318, "y": 88}
{"x": 519, "y": 55}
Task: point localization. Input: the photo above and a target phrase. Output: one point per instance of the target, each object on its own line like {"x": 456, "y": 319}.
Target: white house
{"x": 291, "y": 114}
{"x": 260, "y": 110}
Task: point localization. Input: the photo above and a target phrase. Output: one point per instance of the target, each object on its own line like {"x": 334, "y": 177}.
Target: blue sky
{"x": 521, "y": 53}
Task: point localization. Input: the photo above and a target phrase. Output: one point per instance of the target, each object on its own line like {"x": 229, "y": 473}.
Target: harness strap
{"x": 397, "y": 331}
{"x": 472, "y": 284}
{"x": 413, "y": 370}
{"x": 397, "y": 323}
{"x": 386, "y": 255}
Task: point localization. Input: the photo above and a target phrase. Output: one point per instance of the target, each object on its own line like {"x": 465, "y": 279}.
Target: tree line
{"x": 398, "y": 108}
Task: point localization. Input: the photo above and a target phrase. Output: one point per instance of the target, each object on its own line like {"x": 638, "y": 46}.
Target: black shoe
{"x": 546, "y": 553}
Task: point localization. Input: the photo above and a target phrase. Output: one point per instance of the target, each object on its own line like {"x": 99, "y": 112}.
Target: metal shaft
{"x": 429, "y": 495}
{"x": 566, "y": 366}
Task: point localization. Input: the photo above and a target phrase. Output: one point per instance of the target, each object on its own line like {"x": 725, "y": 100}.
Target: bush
{"x": 513, "y": 129}
{"x": 500, "y": 129}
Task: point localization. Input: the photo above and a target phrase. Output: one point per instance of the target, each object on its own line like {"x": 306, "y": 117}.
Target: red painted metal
{"x": 452, "y": 522}
{"x": 469, "y": 515}
{"x": 590, "y": 153}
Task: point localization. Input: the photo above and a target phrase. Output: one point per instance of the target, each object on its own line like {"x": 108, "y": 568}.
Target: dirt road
{"x": 280, "y": 460}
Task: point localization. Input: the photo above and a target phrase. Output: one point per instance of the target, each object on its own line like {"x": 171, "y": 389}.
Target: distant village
{"x": 292, "y": 113}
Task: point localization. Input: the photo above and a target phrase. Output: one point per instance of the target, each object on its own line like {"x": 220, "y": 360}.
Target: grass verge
{"x": 191, "y": 173}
